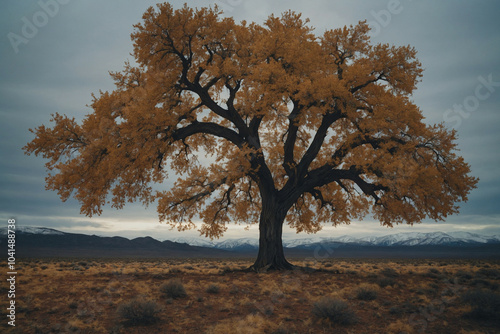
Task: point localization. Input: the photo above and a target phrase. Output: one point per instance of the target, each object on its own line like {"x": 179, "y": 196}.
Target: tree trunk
{"x": 271, "y": 255}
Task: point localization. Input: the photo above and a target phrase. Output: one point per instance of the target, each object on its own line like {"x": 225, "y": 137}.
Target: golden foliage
{"x": 321, "y": 128}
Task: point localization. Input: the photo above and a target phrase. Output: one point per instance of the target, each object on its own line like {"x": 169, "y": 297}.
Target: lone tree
{"x": 299, "y": 128}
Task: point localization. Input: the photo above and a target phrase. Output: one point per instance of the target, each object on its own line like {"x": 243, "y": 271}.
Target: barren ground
{"x": 375, "y": 296}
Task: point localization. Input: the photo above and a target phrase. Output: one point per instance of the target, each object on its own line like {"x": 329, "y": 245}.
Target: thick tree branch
{"x": 316, "y": 143}
{"x": 253, "y": 132}
{"x": 368, "y": 189}
{"x": 328, "y": 174}
{"x": 289, "y": 160}
{"x": 203, "y": 92}
{"x": 318, "y": 195}
{"x": 208, "y": 128}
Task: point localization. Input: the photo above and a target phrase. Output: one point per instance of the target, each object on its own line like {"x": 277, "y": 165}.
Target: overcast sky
{"x": 55, "y": 53}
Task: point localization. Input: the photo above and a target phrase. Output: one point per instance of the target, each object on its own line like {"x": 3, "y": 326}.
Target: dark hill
{"x": 81, "y": 245}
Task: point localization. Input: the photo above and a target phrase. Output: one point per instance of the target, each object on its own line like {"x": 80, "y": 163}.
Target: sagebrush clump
{"x": 335, "y": 310}
{"x": 485, "y": 304}
{"x": 173, "y": 289}
{"x": 139, "y": 312}
{"x": 366, "y": 292}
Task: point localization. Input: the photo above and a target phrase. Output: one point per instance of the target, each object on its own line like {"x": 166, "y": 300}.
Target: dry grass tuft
{"x": 213, "y": 288}
{"x": 173, "y": 289}
{"x": 251, "y": 324}
{"x": 335, "y": 310}
{"x": 366, "y": 292}
{"x": 399, "y": 327}
{"x": 485, "y": 304}
{"x": 139, "y": 312}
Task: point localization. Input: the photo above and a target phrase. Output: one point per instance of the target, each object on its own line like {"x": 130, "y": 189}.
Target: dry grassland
{"x": 218, "y": 296}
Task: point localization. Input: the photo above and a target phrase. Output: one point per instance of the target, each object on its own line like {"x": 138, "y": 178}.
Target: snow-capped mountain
{"x": 435, "y": 238}
{"x": 32, "y": 230}
{"x": 242, "y": 243}
{"x": 345, "y": 239}
{"x": 475, "y": 237}
{"x": 392, "y": 240}
{"x": 414, "y": 239}
{"x": 199, "y": 242}
{"x": 228, "y": 244}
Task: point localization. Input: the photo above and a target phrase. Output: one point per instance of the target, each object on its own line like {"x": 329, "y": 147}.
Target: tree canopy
{"x": 299, "y": 128}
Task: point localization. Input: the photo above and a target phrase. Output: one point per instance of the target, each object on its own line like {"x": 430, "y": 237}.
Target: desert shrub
{"x": 389, "y": 272}
{"x": 482, "y": 283}
{"x": 396, "y": 310}
{"x": 139, "y": 312}
{"x": 175, "y": 271}
{"x": 159, "y": 276}
{"x": 405, "y": 308}
{"x": 487, "y": 272}
{"x": 485, "y": 304}
{"x": 463, "y": 274}
{"x": 434, "y": 271}
{"x": 173, "y": 289}
{"x": 386, "y": 281}
{"x": 461, "y": 277}
{"x": 225, "y": 270}
{"x": 366, "y": 292}
{"x": 336, "y": 310}
{"x": 213, "y": 288}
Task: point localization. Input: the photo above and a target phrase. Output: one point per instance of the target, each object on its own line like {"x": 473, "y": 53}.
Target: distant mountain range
{"x": 393, "y": 240}
{"x": 40, "y": 241}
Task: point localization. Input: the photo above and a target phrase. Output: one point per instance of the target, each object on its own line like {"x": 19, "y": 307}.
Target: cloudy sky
{"x": 55, "y": 53}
